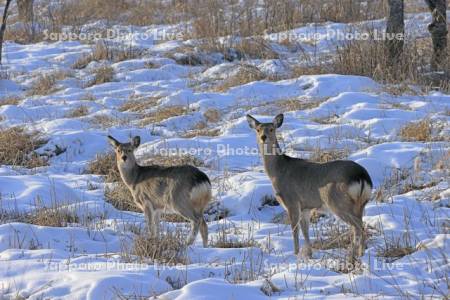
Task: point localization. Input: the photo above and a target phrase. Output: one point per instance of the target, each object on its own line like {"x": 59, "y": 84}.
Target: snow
{"x": 87, "y": 261}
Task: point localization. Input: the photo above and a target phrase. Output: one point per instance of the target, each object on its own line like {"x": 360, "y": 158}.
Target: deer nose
{"x": 263, "y": 138}
{"x": 124, "y": 158}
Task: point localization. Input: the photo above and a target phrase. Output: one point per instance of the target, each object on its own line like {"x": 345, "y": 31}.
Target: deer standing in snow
{"x": 342, "y": 186}
{"x": 184, "y": 190}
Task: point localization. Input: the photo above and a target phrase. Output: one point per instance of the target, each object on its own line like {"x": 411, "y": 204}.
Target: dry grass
{"x": 102, "y": 51}
{"x": 17, "y": 148}
{"x": 369, "y": 58}
{"x": 139, "y": 105}
{"x": 105, "y": 121}
{"x": 212, "y": 115}
{"x": 224, "y": 241}
{"x": 77, "y": 112}
{"x": 168, "y": 249}
{"x": 296, "y": 104}
{"x": 162, "y": 114}
{"x": 201, "y": 129}
{"x": 393, "y": 250}
{"x": 53, "y": 217}
{"x": 119, "y": 196}
{"x": 105, "y": 164}
{"x": 246, "y": 73}
{"x": 43, "y": 85}
{"x": 417, "y": 131}
{"x": 10, "y": 100}
{"x": 102, "y": 74}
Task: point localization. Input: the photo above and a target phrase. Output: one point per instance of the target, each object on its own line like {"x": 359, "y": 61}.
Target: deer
{"x": 184, "y": 190}
{"x": 341, "y": 186}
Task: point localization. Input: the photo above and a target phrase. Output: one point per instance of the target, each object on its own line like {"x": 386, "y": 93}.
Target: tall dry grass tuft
{"x": 17, "y": 148}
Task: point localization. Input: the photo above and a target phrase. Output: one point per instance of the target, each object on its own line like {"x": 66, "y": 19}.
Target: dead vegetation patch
{"x": 10, "y": 100}
{"x": 296, "y": 104}
{"x": 417, "y": 131}
{"x": 168, "y": 249}
{"x": 201, "y": 129}
{"x": 43, "y": 85}
{"x": 103, "y": 51}
{"x": 212, "y": 115}
{"x": 223, "y": 240}
{"x": 106, "y": 121}
{"x": 393, "y": 250}
{"x": 163, "y": 113}
{"x": 119, "y": 196}
{"x": 77, "y": 112}
{"x": 102, "y": 74}
{"x": 52, "y": 217}
{"x": 245, "y": 74}
{"x": 105, "y": 164}
{"x": 139, "y": 104}
{"x": 17, "y": 148}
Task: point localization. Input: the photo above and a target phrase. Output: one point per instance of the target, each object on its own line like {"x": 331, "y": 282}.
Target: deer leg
{"x": 294, "y": 218}
{"x": 204, "y": 232}
{"x": 304, "y": 225}
{"x": 195, "y": 225}
{"x": 150, "y": 215}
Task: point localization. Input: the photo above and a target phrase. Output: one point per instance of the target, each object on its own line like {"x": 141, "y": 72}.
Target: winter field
{"x": 69, "y": 229}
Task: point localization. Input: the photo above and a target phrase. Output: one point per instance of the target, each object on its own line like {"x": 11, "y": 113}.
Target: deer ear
{"x": 115, "y": 143}
{"x": 136, "y": 141}
{"x": 278, "y": 121}
{"x": 252, "y": 122}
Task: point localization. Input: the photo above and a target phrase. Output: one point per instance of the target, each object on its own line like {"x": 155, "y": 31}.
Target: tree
{"x": 395, "y": 28}
{"x": 3, "y": 27}
{"x": 438, "y": 30}
{"x": 26, "y": 13}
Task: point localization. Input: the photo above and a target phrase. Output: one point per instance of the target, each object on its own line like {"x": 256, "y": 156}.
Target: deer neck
{"x": 128, "y": 173}
{"x": 271, "y": 155}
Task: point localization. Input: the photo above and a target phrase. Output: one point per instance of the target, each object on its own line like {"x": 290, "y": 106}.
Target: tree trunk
{"x": 395, "y": 28}
{"x": 3, "y": 27}
{"x": 438, "y": 30}
{"x": 26, "y": 13}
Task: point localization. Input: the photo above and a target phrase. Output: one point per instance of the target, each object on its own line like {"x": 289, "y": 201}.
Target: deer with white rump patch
{"x": 184, "y": 190}
{"x": 342, "y": 186}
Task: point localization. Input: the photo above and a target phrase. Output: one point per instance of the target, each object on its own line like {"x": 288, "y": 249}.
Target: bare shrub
{"x": 77, "y": 112}
{"x": 17, "y": 148}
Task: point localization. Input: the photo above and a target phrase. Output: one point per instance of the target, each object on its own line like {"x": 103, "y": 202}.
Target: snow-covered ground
{"x": 86, "y": 260}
